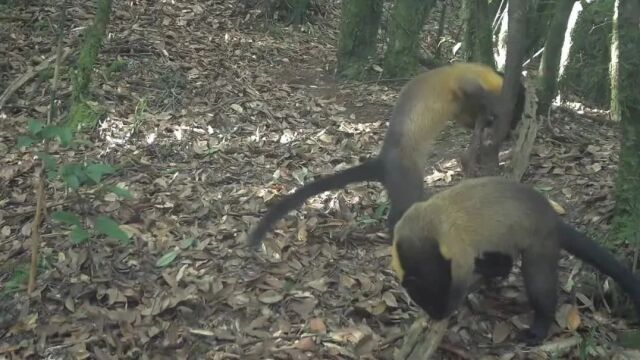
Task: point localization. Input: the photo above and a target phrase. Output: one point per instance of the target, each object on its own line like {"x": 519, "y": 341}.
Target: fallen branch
{"x": 35, "y": 229}
{"x": 558, "y": 348}
{"x": 421, "y": 342}
{"x": 17, "y": 83}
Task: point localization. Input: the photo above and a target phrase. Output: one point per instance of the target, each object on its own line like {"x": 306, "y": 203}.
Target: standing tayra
{"x": 480, "y": 226}
{"x": 462, "y": 92}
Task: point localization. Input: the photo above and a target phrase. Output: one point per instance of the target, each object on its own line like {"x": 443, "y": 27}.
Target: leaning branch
{"x": 17, "y": 83}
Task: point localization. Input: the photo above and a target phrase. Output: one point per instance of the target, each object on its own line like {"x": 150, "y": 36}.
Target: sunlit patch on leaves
{"x": 300, "y": 175}
{"x": 270, "y": 297}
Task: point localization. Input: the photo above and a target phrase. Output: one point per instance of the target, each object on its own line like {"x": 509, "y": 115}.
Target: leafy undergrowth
{"x": 211, "y": 119}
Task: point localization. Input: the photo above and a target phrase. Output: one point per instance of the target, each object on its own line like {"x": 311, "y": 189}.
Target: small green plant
{"x": 587, "y": 345}
{"x": 378, "y": 214}
{"x": 45, "y": 74}
{"x": 75, "y": 175}
{"x": 139, "y": 115}
{"x": 84, "y": 114}
{"x": 116, "y": 66}
{"x": 41, "y": 25}
{"x": 16, "y": 280}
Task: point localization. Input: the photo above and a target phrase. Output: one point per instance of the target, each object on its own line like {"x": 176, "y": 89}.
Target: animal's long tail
{"x": 370, "y": 170}
{"x": 588, "y": 250}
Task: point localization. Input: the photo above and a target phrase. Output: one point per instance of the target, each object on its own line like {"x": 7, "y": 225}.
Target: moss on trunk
{"x": 358, "y": 34}
{"x": 401, "y": 58}
{"x": 627, "y": 214}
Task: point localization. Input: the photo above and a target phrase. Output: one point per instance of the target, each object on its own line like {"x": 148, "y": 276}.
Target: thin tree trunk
{"x": 568, "y": 43}
{"x": 500, "y": 51}
{"x": 90, "y": 49}
{"x": 477, "y": 43}
{"x": 80, "y": 113}
{"x": 439, "y": 36}
{"x": 551, "y": 56}
{"x": 481, "y": 158}
{"x": 613, "y": 66}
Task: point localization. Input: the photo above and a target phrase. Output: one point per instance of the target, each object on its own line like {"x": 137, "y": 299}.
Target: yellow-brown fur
{"x": 438, "y": 96}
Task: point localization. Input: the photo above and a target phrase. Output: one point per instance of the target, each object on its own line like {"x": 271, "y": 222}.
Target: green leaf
{"x": 65, "y": 135}
{"x": 50, "y": 132}
{"x": 108, "y": 227}
{"x": 35, "y": 126}
{"x": 378, "y": 214}
{"x": 72, "y": 181}
{"x": 121, "y": 192}
{"x": 96, "y": 171}
{"x": 66, "y": 217}
{"x": 79, "y": 235}
{"x": 48, "y": 160}
{"x": 186, "y": 243}
{"x": 543, "y": 188}
{"x": 368, "y": 221}
{"x": 25, "y": 141}
{"x": 52, "y": 175}
{"x": 167, "y": 258}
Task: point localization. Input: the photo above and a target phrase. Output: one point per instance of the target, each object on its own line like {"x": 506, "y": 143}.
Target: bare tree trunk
{"x": 626, "y": 226}
{"x": 477, "y": 42}
{"x": 358, "y": 34}
{"x": 568, "y": 42}
{"x": 500, "y": 52}
{"x": 616, "y": 114}
{"x": 530, "y": 123}
{"x": 551, "y": 56}
{"x": 443, "y": 16}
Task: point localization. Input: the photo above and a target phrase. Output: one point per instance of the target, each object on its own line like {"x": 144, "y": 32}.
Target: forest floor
{"x": 211, "y": 117}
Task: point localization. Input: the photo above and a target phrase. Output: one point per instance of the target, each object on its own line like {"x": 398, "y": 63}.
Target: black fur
{"x": 427, "y": 279}
{"x": 493, "y": 265}
{"x": 369, "y": 170}
{"x": 581, "y": 246}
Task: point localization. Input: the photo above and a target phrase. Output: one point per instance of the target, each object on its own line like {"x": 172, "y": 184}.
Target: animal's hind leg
{"x": 540, "y": 271}
{"x": 493, "y": 265}
{"x": 405, "y": 186}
